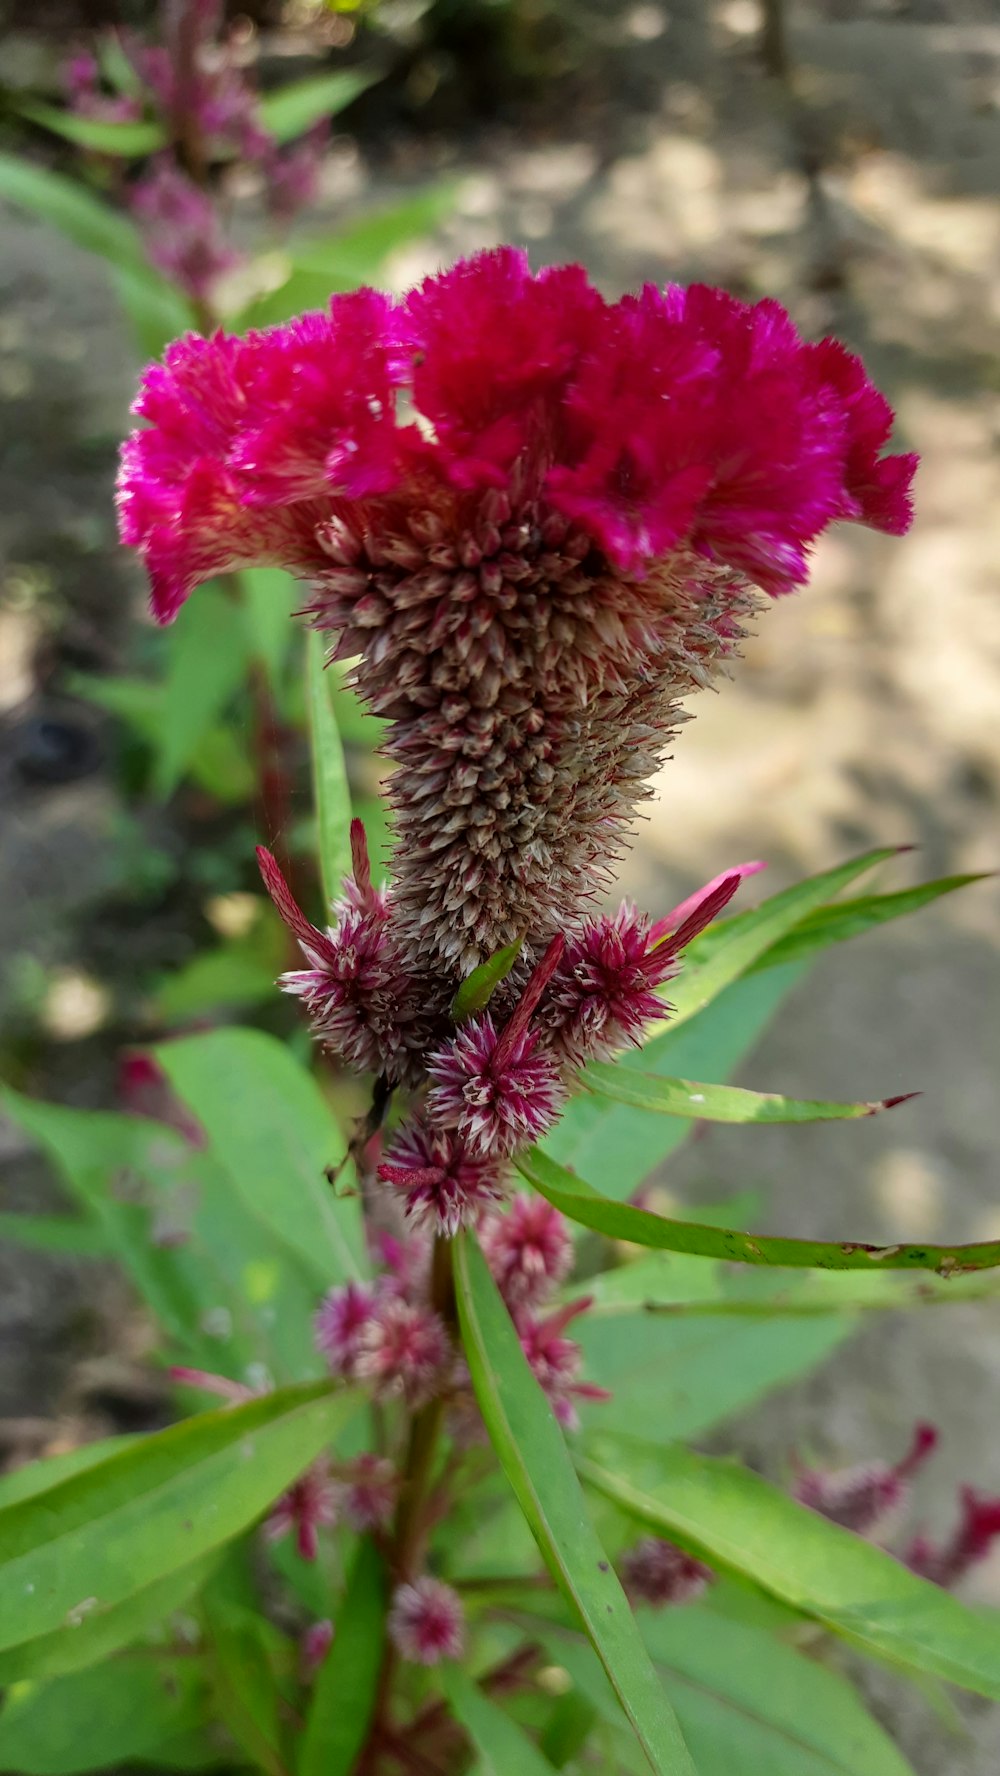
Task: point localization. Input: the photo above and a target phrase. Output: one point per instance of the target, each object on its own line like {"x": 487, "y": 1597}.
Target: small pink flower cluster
{"x": 658, "y": 1573}
{"x": 426, "y": 1622}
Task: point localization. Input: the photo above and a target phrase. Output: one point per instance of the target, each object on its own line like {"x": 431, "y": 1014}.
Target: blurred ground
{"x": 863, "y": 195}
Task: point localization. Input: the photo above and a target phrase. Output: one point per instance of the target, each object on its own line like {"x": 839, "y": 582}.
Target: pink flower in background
{"x": 181, "y": 228}
{"x": 556, "y": 1361}
{"x": 404, "y": 1351}
{"x": 529, "y": 1250}
{"x": 314, "y": 1645}
{"x": 657, "y": 1572}
{"x": 307, "y": 1507}
{"x": 369, "y": 1496}
{"x": 564, "y": 542}
{"x": 426, "y": 1622}
{"x": 339, "y": 1323}
{"x": 977, "y": 1529}
{"x": 867, "y": 1498}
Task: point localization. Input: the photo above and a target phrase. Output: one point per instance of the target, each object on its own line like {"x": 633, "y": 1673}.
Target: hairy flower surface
{"x": 977, "y": 1529}
{"x": 657, "y": 1572}
{"x": 369, "y": 1495}
{"x": 340, "y": 1321}
{"x": 307, "y": 1507}
{"x": 426, "y": 1622}
{"x": 555, "y": 1361}
{"x": 444, "y": 1183}
{"x": 535, "y": 519}
{"x": 869, "y": 1497}
{"x": 529, "y": 1250}
{"x": 404, "y": 1351}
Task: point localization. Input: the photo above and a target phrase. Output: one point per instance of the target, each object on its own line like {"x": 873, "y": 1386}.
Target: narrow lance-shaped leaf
{"x": 56, "y": 1233}
{"x": 717, "y": 1103}
{"x": 503, "y": 1746}
{"x": 478, "y": 987}
{"x": 534, "y": 1457}
{"x": 102, "y": 1535}
{"x": 131, "y": 138}
{"x": 94, "y": 1638}
{"x": 125, "y": 1712}
{"x": 616, "y": 1220}
{"x": 295, "y": 107}
{"x": 852, "y": 918}
{"x": 736, "y": 1520}
{"x": 330, "y": 789}
{"x": 72, "y": 209}
{"x": 334, "y": 1733}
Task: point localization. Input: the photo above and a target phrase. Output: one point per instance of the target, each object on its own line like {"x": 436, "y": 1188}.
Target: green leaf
{"x": 157, "y": 311}
{"x": 757, "y": 1293}
{"x": 298, "y": 293}
{"x": 132, "y": 138}
{"x": 533, "y": 1455}
{"x": 273, "y": 1133}
{"x": 715, "y": 1103}
{"x": 357, "y": 251}
{"x": 616, "y": 1220}
{"x": 207, "y": 663}
{"x": 116, "y": 67}
{"x": 55, "y": 1233}
{"x": 102, "y": 1535}
{"x": 95, "y": 1638}
{"x": 243, "y": 1684}
{"x": 119, "y": 1713}
{"x": 72, "y": 209}
{"x": 335, "y": 1732}
{"x": 609, "y": 1142}
{"x": 330, "y": 789}
{"x": 268, "y": 598}
{"x": 851, "y": 918}
{"x": 38, "y": 1476}
{"x": 477, "y": 989}
{"x": 234, "y": 974}
{"x": 296, "y": 106}
{"x": 735, "y": 1520}
{"x": 729, "y": 949}
{"x": 501, "y": 1743}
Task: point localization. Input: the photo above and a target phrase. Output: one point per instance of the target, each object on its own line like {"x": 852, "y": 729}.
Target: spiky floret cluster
{"x": 565, "y": 541}
{"x": 658, "y": 1573}
{"x": 869, "y": 1497}
{"x": 427, "y": 1622}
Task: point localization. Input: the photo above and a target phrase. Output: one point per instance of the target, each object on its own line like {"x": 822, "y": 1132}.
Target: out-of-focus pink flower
{"x": 528, "y": 1249}
{"x": 555, "y": 1361}
{"x": 370, "y": 1493}
{"x": 970, "y": 1542}
{"x": 657, "y": 1572}
{"x": 293, "y": 174}
{"x": 81, "y": 79}
{"x": 407, "y": 1266}
{"x": 426, "y": 1622}
{"x": 340, "y": 1321}
{"x": 145, "y": 1090}
{"x": 404, "y": 1352}
{"x": 307, "y": 1507}
{"x": 181, "y": 228}
{"x": 867, "y": 1498}
{"x": 314, "y": 1645}
{"x": 533, "y": 571}
{"x": 444, "y": 1184}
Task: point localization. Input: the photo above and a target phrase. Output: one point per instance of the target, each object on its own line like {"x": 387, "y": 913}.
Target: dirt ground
{"x": 867, "y": 710}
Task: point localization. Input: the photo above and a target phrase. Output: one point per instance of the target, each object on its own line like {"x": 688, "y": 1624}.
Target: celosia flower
{"x": 528, "y": 1249}
{"x": 314, "y": 1645}
{"x": 404, "y": 1350}
{"x": 339, "y": 1323}
{"x": 307, "y": 1507}
{"x": 181, "y": 228}
{"x": 369, "y": 1493}
{"x": 866, "y": 1498}
{"x": 555, "y": 1361}
{"x": 426, "y": 1622}
{"x": 565, "y": 541}
{"x": 496, "y": 1087}
{"x": 657, "y": 1572}
{"x": 444, "y": 1183}
{"x": 977, "y": 1529}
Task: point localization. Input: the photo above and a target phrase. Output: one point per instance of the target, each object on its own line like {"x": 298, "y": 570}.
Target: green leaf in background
{"x": 127, "y": 1711}
{"x": 95, "y": 1638}
{"x": 102, "y": 1535}
{"x": 56, "y": 1233}
{"x": 116, "y": 67}
{"x": 478, "y": 988}
{"x": 616, "y": 1220}
{"x": 533, "y": 1455}
{"x": 72, "y": 209}
{"x": 156, "y": 310}
{"x": 330, "y": 788}
{"x": 762, "y": 1293}
{"x": 358, "y": 250}
{"x": 502, "y": 1745}
{"x": 206, "y": 665}
{"x": 273, "y": 1133}
{"x": 235, "y": 974}
{"x": 219, "y": 763}
{"x": 244, "y": 1691}
{"x": 852, "y": 918}
{"x": 268, "y": 598}
{"x": 715, "y": 1103}
{"x": 131, "y": 138}
{"x": 46, "y": 1471}
{"x": 335, "y": 1729}
{"x": 734, "y": 1519}
{"x": 297, "y": 105}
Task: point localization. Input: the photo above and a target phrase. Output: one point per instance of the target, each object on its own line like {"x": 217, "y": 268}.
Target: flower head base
{"x": 657, "y": 1572}
{"x": 528, "y": 1250}
{"x": 426, "y": 1622}
{"x": 867, "y": 1498}
{"x": 533, "y": 576}
{"x": 977, "y": 1529}
{"x": 444, "y": 1183}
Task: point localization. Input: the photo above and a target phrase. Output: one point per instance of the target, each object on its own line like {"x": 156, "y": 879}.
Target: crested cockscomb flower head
{"x": 404, "y": 1351}
{"x": 306, "y": 1508}
{"x": 369, "y": 1493}
{"x": 868, "y": 1497}
{"x": 657, "y": 1572}
{"x": 603, "y": 994}
{"x": 496, "y": 1087}
{"x": 340, "y": 1321}
{"x": 555, "y": 1361}
{"x": 528, "y": 1249}
{"x": 564, "y": 541}
{"x": 444, "y": 1183}
{"x": 977, "y": 1529}
{"x": 426, "y": 1622}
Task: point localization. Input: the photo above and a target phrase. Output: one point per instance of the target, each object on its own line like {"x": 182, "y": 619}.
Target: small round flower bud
{"x": 339, "y": 1323}
{"x": 404, "y": 1351}
{"x": 306, "y": 1508}
{"x": 426, "y": 1622}
{"x": 528, "y": 1250}
{"x": 657, "y": 1572}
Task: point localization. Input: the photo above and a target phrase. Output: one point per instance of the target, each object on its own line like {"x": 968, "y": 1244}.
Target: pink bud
{"x": 529, "y": 1250}
{"x": 657, "y": 1572}
{"x": 426, "y": 1622}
